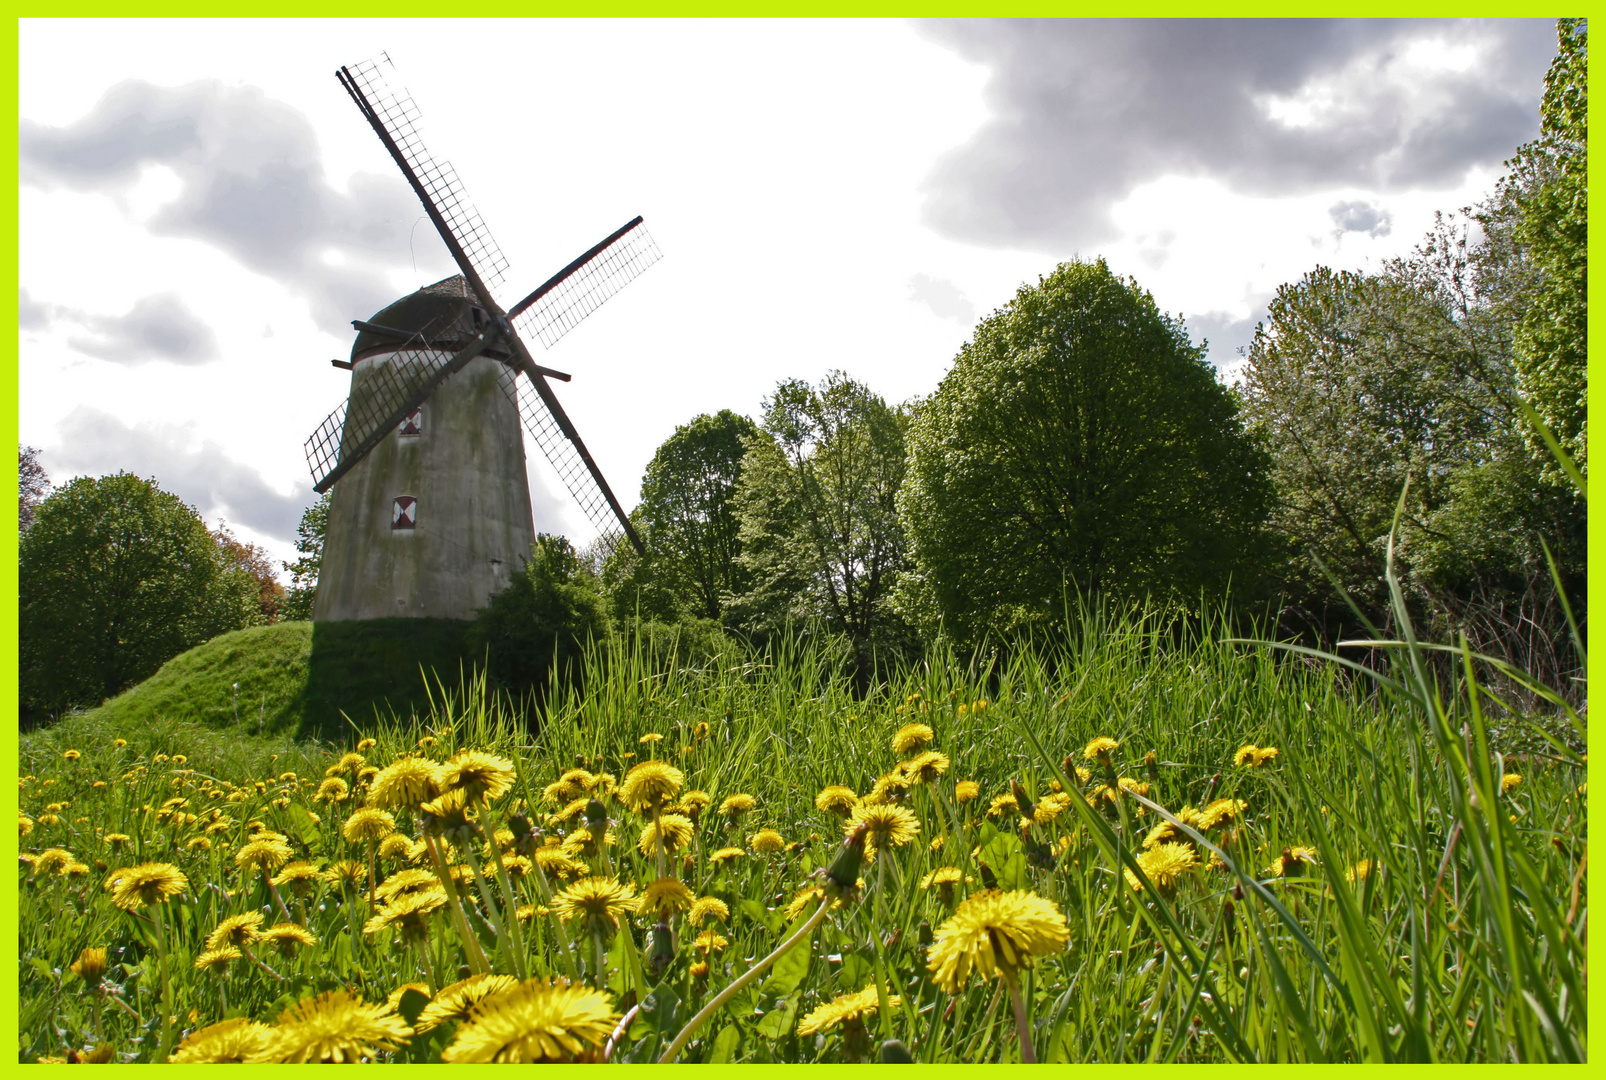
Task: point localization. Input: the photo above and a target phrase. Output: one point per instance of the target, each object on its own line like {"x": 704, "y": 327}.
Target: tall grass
{"x": 1464, "y": 941}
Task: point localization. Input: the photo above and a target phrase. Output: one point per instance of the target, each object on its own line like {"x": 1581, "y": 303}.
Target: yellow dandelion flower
{"x": 650, "y": 738}
{"x": 335, "y": 1028}
{"x": 1165, "y": 865}
{"x": 1265, "y": 754}
{"x": 535, "y": 1022}
{"x": 1359, "y": 872}
{"x": 894, "y": 825}
{"x": 708, "y": 907}
{"x": 650, "y": 785}
{"x": 966, "y": 790}
{"x": 993, "y": 932}
{"x": 407, "y": 912}
{"x": 1220, "y": 812}
{"x": 408, "y": 781}
{"x": 671, "y": 833}
{"x": 664, "y": 897}
{"x": 332, "y": 790}
{"x": 71, "y": 755}
{"x": 406, "y": 881}
{"x": 1050, "y": 807}
{"x": 146, "y": 884}
{"x": 836, "y": 799}
{"x": 482, "y": 777}
{"x": 217, "y": 960}
{"x": 693, "y": 803}
{"x": 236, "y": 930}
{"x": 455, "y": 1002}
{"x": 555, "y": 862}
{"x": 1100, "y": 749}
{"x": 597, "y": 900}
{"x": 1246, "y": 755}
{"x": 24, "y": 824}
{"x": 231, "y": 1042}
{"x": 1002, "y": 803}
{"x": 395, "y": 846}
{"x": 1292, "y": 862}
{"x": 1509, "y": 781}
{"x": 709, "y": 941}
{"x": 926, "y": 768}
{"x": 365, "y": 745}
{"x": 943, "y": 875}
{"x": 265, "y": 853}
{"x": 765, "y": 841}
{"x": 725, "y": 853}
{"x": 737, "y": 804}
{"x": 51, "y": 860}
{"x": 888, "y": 788}
{"x": 119, "y": 743}
{"x": 287, "y": 937}
{"x": 911, "y": 739}
{"x": 845, "y": 1009}
{"x": 368, "y": 824}
{"x": 299, "y": 876}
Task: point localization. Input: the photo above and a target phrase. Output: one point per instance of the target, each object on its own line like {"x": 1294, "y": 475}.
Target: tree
{"x": 816, "y": 500}
{"x": 242, "y": 558}
{"x": 687, "y": 515}
{"x": 1549, "y": 189}
{"x": 303, "y": 592}
{"x": 117, "y": 576}
{"x": 1361, "y": 383}
{"x": 34, "y": 483}
{"x": 547, "y": 614}
{"x": 1080, "y": 443}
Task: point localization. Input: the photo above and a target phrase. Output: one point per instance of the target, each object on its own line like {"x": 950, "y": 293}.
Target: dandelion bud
{"x": 844, "y": 872}
{"x": 1151, "y": 765}
{"x": 1229, "y": 919}
{"x": 1023, "y": 802}
{"x": 596, "y": 816}
{"x": 661, "y": 947}
{"x": 894, "y": 1052}
{"x": 90, "y": 966}
{"x": 1068, "y": 766}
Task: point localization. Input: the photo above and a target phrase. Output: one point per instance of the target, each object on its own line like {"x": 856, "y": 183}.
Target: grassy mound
{"x": 297, "y": 678}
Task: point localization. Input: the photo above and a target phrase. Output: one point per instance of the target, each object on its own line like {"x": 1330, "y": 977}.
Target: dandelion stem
{"x": 515, "y": 935}
{"x": 167, "y": 1004}
{"x": 1023, "y": 1023}
{"x": 471, "y": 944}
{"x": 742, "y": 980}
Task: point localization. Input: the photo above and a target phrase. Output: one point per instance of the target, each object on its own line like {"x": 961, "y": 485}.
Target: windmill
{"x": 432, "y": 510}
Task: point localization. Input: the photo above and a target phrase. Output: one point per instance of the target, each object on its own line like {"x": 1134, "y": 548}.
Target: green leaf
{"x": 788, "y": 971}
{"x": 1004, "y": 858}
{"x": 778, "y": 1021}
{"x": 725, "y": 1044}
{"x": 305, "y": 827}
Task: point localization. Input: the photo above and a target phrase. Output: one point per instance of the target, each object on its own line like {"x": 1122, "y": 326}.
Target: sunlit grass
{"x": 1379, "y": 895}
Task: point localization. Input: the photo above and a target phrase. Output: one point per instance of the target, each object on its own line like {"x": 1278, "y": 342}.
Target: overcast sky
{"x": 203, "y": 210}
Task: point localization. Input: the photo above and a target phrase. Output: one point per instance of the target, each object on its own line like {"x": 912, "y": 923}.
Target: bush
{"x": 550, "y": 609}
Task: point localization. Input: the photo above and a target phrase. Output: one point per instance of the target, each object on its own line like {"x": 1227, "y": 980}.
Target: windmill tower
{"x": 431, "y": 508}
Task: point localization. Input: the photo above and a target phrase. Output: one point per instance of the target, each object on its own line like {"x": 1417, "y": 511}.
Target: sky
{"x": 202, "y": 210}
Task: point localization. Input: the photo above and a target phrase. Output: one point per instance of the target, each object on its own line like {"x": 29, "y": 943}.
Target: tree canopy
{"x": 303, "y": 592}
{"x": 819, "y": 524}
{"x": 118, "y": 576}
{"x": 547, "y": 614}
{"x": 1080, "y": 442}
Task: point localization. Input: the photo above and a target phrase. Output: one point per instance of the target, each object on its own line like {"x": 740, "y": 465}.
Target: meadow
{"x": 1145, "y": 844}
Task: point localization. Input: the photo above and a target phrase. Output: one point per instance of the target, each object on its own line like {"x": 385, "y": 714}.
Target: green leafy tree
{"x": 548, "y": 613}
{"x": 1364, "y": 386}
{"x": 118, "y": 576}
{"x": 820, "y": 536}
{"x": 687, "y": 519}
{"x": 686, "y": 509}
{"x": 1549, "y": 188}
{"x": 1080, "y": 443}
{"x": 303, "y": 592}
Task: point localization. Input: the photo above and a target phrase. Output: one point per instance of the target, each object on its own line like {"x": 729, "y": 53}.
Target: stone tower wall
{"x": 473, "y": 527}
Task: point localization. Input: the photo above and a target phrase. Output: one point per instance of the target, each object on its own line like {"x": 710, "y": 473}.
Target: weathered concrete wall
{"x": 466, "y": 469}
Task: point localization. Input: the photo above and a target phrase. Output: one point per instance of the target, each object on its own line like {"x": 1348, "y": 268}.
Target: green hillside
{"x": 298, "y": 678}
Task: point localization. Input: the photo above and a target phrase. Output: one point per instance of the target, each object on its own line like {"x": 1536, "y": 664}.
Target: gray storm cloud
{"x": 1083, "y": 111}
{"x": 158, "y": 327}
{"x": 251, "y": 182}
{"x": 95, "y": 443}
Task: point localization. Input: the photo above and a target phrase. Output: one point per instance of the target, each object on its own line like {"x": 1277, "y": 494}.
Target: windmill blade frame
{"x": 394, "y": 118}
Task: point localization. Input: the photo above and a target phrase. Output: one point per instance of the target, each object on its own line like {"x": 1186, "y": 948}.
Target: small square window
{"x": 404, "y": 512}
{"x": 413, "y": 424}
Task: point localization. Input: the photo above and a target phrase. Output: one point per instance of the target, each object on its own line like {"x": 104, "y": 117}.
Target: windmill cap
{"x": 440, "y": 314}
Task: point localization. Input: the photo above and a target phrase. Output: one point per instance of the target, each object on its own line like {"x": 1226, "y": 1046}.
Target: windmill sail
{"x": 551, "y": 311}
